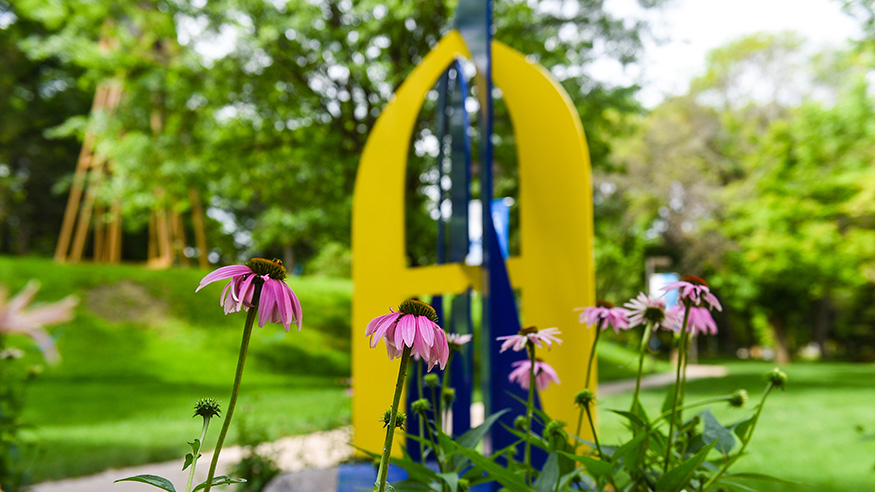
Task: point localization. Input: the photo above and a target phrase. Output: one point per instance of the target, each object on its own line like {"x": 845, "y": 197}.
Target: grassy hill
{"x": 143, "y": 347}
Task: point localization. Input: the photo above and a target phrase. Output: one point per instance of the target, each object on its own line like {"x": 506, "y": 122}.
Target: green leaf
{"x": 716, "y": 433}
{"x": 195, "y": 446}
{"x": 500, "y": 474}
{"x": 760, "y": 476}
{"x": 220, "y": 480}
{"x": 153, "y": 480}
{"x": 549, "y": 475}
{"x": 415, "y": 470}
{"x": 740, "y": 428}
{"x": 473, "y": 437}
{"x": 451, "y": 479}
{"x": 677, "y": 477}
{"x": 634, "y": 418}
{"x": 735, "y": 486}
{"x": 596, "y": 468}
{"x": 630, "y": 450}
{"x": 669, "y": 400}
{"x": 189, "y": 459}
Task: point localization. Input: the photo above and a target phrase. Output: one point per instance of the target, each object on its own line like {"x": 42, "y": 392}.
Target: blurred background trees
{"x": 759, "y": 178}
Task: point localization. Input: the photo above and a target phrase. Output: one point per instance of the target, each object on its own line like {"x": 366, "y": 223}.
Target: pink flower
{"x": 695, "y": 291}
{"x": 544, "y": 374}
{"x": 414, "y": 326}
{"x": 644, "y": 309}
{"x": 699, "y": 320}
{"x": 276, "y": 303}
{"x": 531, "y": 334}
{"x": 14, "y": 318}
{"x": 456, "y": 340}
{"x": 606, "y": 314}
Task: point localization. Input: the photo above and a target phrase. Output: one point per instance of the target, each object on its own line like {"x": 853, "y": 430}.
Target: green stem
{"x": 644, "y": 342}
{"x": 530, "y": 404}
{"x": 446, "y": 376}
{"x": 195, "y": 458}
{"x": 598, "y": 332}
{"x": 422, "y": 416}
{"x": 677, "y": 387}
{"x": 744, "y": 442}
{"x": 579, "y": 422}
{"x": 595, "y": 436}
{"x": 235, "y": 390}
{"x": 390, "y": 432}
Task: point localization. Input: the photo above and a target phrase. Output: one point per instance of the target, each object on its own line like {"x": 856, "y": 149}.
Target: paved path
{"x": 309, "y": 460}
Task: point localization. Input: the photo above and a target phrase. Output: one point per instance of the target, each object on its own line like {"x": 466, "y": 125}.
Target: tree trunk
{"x": 289, "y": 258}
{"x": 823, "y": 318}
{"x": 782, "y": 348}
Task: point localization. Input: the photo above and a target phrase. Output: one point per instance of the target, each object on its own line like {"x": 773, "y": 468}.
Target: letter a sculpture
{"x": 554, "y": 271}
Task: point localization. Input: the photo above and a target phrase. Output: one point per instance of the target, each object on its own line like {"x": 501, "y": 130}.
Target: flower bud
{"x": 400, "y": 419}
{"x": 206, "y": 408}
{"x": 421, "y": 406}
{"x": 555, "y": 430}
{"x": 585, "y": 398}
{"x": 432, "y": 381}
{"x": 777, "y": 378}
{"x": 738, "y": 399}
{"x": 520, "y": 424}
{"x": 448, "y": 396}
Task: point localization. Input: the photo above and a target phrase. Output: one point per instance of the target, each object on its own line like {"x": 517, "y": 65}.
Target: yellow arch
{"x": 555, "y": 269}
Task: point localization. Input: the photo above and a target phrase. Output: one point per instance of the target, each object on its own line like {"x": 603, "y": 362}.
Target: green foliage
{"x": 270, "y": 124}
{"x": 15, "y": 376}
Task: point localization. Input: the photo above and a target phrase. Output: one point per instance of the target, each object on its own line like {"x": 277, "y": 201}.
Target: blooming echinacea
{"x": 695, "y": 292}
{"x": 544, "y": 374}
{"x": 604, "y": 314}
{"x": 15, "y": 317}
{"x": 276, "y": 301}
{"x": 644, "y": 309}
{"x": 699, "y": 320}
{"x": 539, "y": 338}
{"x": 414, "y": 326}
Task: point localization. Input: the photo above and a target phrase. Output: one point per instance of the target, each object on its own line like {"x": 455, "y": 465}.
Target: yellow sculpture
{"x": 554, "y": 271}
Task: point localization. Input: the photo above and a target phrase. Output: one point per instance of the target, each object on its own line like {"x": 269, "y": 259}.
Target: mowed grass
{"x": 144, "y": 347}
{"x": 808, "y": 433}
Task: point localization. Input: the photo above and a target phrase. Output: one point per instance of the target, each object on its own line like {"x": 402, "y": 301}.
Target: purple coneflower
{"x": 606, "y": 314}
{"x": 698, "y": 321}
{"x": 539, "y": 338}
{"x": 277, "y": 303}
{"x": 415, "y": 326}
{"x": 694, "y": 291}
{"x": 544, "y": 374}
{"x": 16, "y": 318}
{"x": 644, "y": 309}
{"x": 456, "y": 340}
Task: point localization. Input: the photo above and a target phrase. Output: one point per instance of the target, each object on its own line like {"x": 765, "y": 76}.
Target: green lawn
{"x": 808, "y": 434}
{"x": 144, "y": 347}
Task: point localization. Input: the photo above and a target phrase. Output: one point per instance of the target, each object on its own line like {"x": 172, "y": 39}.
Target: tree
{"x": 273, "y": 125}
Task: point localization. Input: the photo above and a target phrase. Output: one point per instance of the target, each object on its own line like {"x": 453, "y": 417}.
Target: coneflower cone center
{"x": 272, "y": 268}
{"x": 695, "y": 280}
{"x": 654, "y": 314}
{"x": 530, "y": 329}
{"x": 605, "y": 304}
{"x": 418, "y": 308}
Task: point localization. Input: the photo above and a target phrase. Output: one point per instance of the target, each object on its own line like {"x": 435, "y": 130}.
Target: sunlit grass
{"x": 807, "y": 433}
{"x": 144, "y": 347}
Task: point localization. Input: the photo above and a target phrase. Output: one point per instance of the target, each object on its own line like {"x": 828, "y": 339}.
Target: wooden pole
{"x": 76, "y": 189}
{"x": 115, "y": 233}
